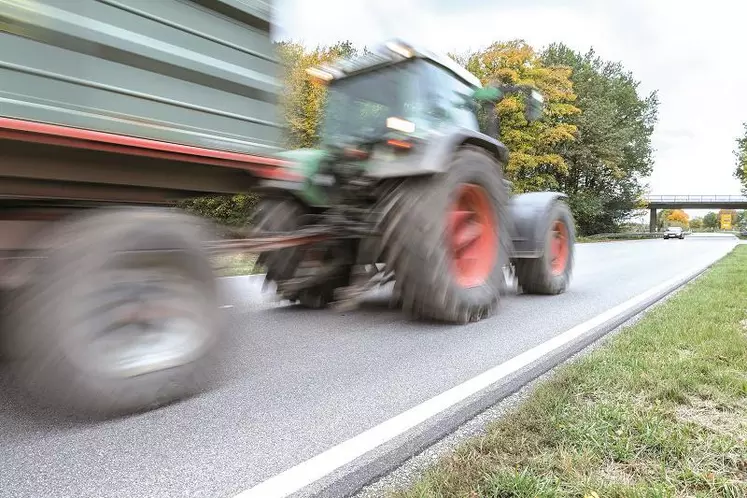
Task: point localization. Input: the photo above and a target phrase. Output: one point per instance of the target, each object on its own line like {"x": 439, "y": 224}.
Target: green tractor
{"x": 405, "y": 187}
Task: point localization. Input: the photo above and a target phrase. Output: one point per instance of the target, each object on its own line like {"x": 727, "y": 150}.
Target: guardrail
{"x": 696, "y": 198}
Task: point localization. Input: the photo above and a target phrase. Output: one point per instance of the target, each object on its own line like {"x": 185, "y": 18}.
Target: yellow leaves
{"x": 679, "y": 216}
{"x": 303, "y": 98}
{"x": 533, "y": 145}
{"x": 557, "y": 134}
{"x": 591, "y": 494}
{"x": 509, "y": 105}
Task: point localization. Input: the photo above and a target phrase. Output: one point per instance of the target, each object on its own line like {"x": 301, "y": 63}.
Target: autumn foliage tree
{"x": 678, "y": 218}
{"x": 303, "y": 98}
{"x": 536, "y": 162}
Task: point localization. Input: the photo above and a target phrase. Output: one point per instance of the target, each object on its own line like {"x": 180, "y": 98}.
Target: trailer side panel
{"x": 193, "y": 72}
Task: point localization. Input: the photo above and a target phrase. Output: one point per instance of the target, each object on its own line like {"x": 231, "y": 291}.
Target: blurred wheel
{"x": 121, "y": 316}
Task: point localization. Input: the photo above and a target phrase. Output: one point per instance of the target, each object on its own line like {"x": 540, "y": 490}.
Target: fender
{"x": 305, "y": 162}
{"x": 526, "y": 212}
{"x": 434, "y": 154}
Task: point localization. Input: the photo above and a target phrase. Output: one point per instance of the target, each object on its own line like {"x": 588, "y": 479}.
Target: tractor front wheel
{"x": 551, "y": 272}
{"x": 445, "y": 238}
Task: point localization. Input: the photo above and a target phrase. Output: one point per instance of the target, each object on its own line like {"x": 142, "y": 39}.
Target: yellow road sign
{"x": 725, "y": 222}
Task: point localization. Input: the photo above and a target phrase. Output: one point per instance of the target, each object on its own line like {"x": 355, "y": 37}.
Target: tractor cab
{"x": 397, "y": 96}
{"x": 401, "y": 108}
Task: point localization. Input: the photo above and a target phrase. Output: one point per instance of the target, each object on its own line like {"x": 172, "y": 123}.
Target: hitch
{"x": 272, "y": 241}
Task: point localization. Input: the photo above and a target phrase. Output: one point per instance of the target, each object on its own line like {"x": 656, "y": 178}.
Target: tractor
{"x": 407, "y": 186}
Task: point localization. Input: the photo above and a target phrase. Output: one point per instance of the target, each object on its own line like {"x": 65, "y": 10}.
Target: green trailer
{"x": 110, "y": 111}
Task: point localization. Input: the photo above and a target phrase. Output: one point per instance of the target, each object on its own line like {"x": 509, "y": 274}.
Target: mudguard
{"x": 436, "y": 154}
{"x": 526, "y": 212}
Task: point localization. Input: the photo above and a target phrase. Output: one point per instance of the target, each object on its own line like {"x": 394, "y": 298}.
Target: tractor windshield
{"x": 358, "y": 106}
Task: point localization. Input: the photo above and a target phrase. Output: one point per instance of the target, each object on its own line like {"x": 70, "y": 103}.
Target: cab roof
{"x": 396, "y": 50}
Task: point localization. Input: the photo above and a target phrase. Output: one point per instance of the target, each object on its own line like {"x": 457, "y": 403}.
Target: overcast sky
{"x": 693, "y": 53}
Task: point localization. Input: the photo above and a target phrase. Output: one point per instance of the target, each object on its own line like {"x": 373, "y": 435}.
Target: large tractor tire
{"x": 283, "y": 215}
{"x": 551, "y": 272}
{"x": 122, "y": 315}
{"x": 445, "y": 237}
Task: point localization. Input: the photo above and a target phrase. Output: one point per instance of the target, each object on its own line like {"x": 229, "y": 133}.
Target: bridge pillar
{"x": 652, "y": 221}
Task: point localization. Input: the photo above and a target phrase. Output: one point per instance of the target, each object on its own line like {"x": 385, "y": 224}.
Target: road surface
{"x": 299, "y": 382}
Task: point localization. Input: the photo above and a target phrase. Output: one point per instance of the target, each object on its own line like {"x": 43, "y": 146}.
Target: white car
{"x": 674, "y": 233}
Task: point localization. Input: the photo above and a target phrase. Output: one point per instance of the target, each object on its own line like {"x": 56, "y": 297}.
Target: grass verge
{"x": 586, "y": 239}
{"x": 659, "y": 411}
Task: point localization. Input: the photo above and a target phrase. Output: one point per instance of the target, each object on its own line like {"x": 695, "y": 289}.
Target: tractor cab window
{"x": 358, "y": 106}
{"x": 448, "y": 100}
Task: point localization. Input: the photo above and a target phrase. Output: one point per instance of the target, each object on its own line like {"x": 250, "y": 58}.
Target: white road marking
{"x": 298, "y": 477}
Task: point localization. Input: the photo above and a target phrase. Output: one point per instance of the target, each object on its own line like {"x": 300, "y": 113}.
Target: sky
{"x": 692, "y": 53}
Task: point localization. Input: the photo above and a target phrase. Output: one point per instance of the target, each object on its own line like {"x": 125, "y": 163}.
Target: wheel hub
{"x": 140, "y": 322}
{"x": 559, "y": 248}
{"x": 472, "y": 236}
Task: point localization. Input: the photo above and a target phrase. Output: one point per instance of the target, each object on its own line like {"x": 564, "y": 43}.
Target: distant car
{"x": 674, "y": 233}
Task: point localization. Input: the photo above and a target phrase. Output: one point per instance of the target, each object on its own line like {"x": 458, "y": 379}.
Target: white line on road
{"x": 308, "y": 472}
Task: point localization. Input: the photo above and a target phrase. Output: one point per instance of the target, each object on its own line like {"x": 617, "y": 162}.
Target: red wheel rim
{"x": 473, "y": 236}
{"x": 559, "y": 248}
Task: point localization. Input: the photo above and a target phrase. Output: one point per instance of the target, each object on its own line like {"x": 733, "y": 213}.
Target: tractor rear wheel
{"x": 551, "y": 272}
{"x": 445, "y": 238}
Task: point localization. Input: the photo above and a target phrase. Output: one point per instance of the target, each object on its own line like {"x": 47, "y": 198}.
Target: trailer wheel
{"x": 121, "y": 316}
{"x": 446, "y": 239}
{"x": 551, "y": 272}
{"x": 281, "y": 215}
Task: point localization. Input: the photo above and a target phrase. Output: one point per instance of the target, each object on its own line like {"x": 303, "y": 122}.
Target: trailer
{"x": 111, "y": 110}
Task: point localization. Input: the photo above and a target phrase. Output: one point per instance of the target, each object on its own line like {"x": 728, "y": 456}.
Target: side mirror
{"x": 487, "y": 94}
{"x": 534, "y": 105}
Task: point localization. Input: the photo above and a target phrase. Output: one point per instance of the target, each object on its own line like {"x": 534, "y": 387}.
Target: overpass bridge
{"x": 654, "y": 202}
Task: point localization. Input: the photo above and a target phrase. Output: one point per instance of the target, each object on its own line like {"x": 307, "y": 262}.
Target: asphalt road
{"x": 300, "y": 382}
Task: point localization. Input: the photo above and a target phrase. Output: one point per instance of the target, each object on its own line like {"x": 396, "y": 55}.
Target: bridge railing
{"x": 696, "y": 198}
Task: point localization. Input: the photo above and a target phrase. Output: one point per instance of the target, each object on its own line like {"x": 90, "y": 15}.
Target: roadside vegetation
{"x": 661, "y": 410}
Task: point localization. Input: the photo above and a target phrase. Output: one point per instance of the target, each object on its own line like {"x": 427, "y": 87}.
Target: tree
{"x": 230, "y": 210}
{"x": 535, "y": 161}
{"x": 741, "y": 159}
{"x": 741, "y": 220}
{"x": 678, "y": 218}
{"x": 710, "y": 220}
{"x": 303, "y": 98}
{"x": 696, "y": 223}
{"x": 662, "y": 218}
{"x": 613, "y": 152}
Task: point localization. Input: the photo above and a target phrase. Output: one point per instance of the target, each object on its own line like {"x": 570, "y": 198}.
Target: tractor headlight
{"x": 400, "y": 125}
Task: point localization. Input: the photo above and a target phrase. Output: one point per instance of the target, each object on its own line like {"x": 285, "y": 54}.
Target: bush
{"x": 229, "y": 210}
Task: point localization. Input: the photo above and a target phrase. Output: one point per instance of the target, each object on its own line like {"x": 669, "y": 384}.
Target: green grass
{"x": 237, "y": 264}
{"x": 609, "y": 237}
{"x": 659, "y": 411}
